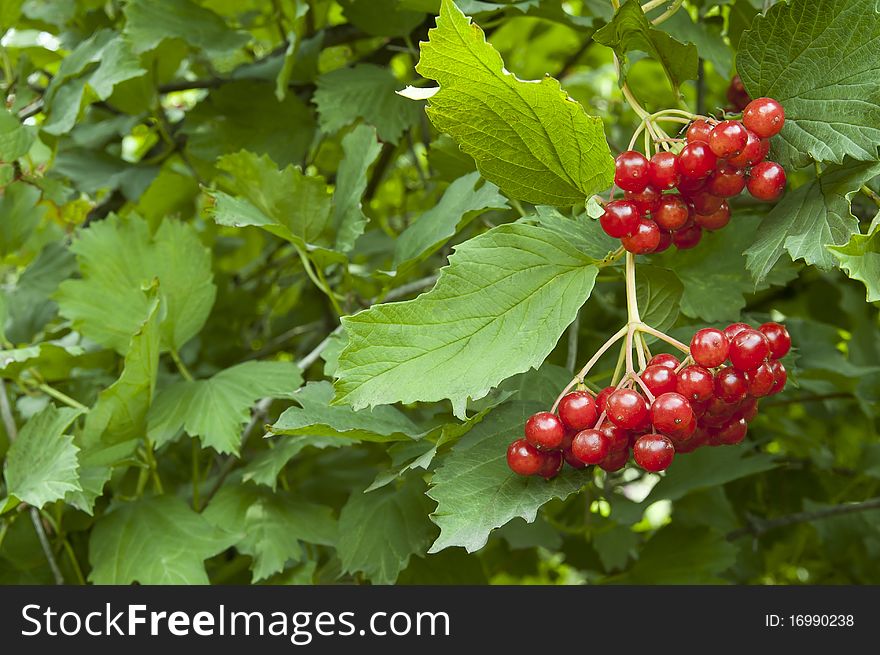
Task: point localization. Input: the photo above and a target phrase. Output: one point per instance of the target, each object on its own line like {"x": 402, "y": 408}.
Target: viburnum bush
{"x": 440, "y": 292}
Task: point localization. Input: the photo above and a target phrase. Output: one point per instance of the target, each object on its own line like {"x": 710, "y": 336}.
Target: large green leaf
{"x": 368, "y": 92}
{"x": 810, "y": 218}
{"x": 379, "y": 531}
{"x": 659, "y": 292}
{"x": 41, "y": 465}
{"x": 630, "y": 30}
{"x": 154, "y": 541}
{"x": 360, "y": 149}
{"x": 459, "y": 203}
{"x": 15, "y": 138}
{"x": 682, "y": 556}
{"x": 475, "y": 490}
{"x": 497, "y": 310}
{"x": 272, "y": 525}
{"x": 705, "y": 34}
{"x": 216, "y": 409}
{"x": 529, "y": 138}
{"x": 266, "y": 466}
{"x": 19, "y": 215}
{"x": 821, "y": 60}
{"x": 860, "y": 258}
{"x": 117, "y": 258}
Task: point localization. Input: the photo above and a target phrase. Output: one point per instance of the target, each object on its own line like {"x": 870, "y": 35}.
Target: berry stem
{"x": 632, "y": 303}
{"x": 647, "y": 329}
{"x": 870, "y": 194}
{"x": 669, "y": 13}
{"x": 578, "y": 379}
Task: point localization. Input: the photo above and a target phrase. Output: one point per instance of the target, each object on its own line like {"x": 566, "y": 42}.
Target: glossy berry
{"x": 664, "y": 359}
{"x": 621, "y": 218}
{"x": 756, "y": 149}
{"x": 664, "y": 171}
{"x": 551, "y": 464}
{"x": 728, "y": 138}
{"x": 618, "y": 438}
{"x": 748, "y": 410}
{"x": 705, "y": 203}
{"x": 591, "y": 446}
{"x": 665, "y": 242}
{"x": 645, "y": 239}
{"x": 732, "y": 432}
{"x": 698, "y": 131}
{"x": 578, "y": 410}
{"x": 626, "y": 409}
{"x": 602, "y": 398}
{"x": 766, "y": 181}
{"x": 646, "y": 200}
{"x": 688, "y": 237}
{"x": 737, "y": 94}
{"x": 764, "y": 116}
{"x": 696, "y": 161}
{"x": 653, "y": 452}
{"x": 748, "y": 350}
{"x": 659, "y": 379}
{"x": 715, "y": 220}
{"x": 727, "y": 181}
{"x": 631, "y": 170}
{"x": 572, "y": 461}
{"x": 695, "y": 383}
{"x": 615, "y": 461}
{"x": 780, "y": 375}
{"x": 779, "y": 338}
{"x": 709, "y": 347}
{"x": 760, "y": 381}
{"x": 690, "y": 186}
{"x": 672, "y": 213}
{"x": 734, "y": 329}
{"x": 671, "y": 414}
{"x": 719, "y": 407}
{"x": 730, "y": 385}
{"x": 545, "y": 431}
{"x": 523, "y": 458}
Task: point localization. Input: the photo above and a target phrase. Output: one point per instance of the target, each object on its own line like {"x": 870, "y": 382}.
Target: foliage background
{"x": 194, "y": 191}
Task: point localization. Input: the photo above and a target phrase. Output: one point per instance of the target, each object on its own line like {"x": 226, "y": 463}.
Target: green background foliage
{"x": 264, "y": 320}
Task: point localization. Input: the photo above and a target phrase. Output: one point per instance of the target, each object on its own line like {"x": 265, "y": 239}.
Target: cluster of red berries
{"x": 719, "y": 160}
{"x": 706, "y": 403}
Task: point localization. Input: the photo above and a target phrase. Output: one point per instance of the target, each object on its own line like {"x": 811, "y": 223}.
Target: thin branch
{"x": 756, "y": 528}
{"x": 47, "y": 547}
{"x": 6, "y": 413}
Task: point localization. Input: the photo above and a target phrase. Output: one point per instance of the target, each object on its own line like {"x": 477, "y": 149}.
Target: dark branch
{"x": 758, "y": 527}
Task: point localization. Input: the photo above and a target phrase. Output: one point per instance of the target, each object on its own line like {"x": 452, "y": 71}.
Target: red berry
{"x": 551, "y": 464}
{"x": 665, "y": 242}
{"x": 760, "y": 381}
{"x": 523, "y": 458}
{"x": 732, "y": 432}
{"x": 672, "y": 213}
{"x": 779, "y": 338}
{"x": 716, "y": 220}
{"x": 727, "y": 181}
{"x": 573, "y": 461}
{"x": 602, "y": 398}
{"x": 699, "y": 130}
{"x": 720, "y": 408}
{"x": 620, "y": 219}
{"x": 578, "y": 410}
{"x": 696, "y": 160}
{"x": 647, "y": 200}
{"x": 653, "y": 452}
{"x": 591, "y": 446}
{"x": 748, "y": 410}
{"x": 695, "y": 383}
{"x": 545, "y": 431}
{"x": 626, "y": 409}
{"x": 767, "y": 181}
{"x": 728, "y": 138}
{"x": 659, "y": 379}
{"x": 779, "y": 375}
{"x": 737, "y": 94}
{"x": 645, "y": 239}
{"x": 671, "y": 414}
{"x": 615, "y": 461}
{"x": 664, "y": 174}
{"x": 764, "y": 116}
{"x": 691, "y": 186}
{"x": 631, "y": 171}
{"x": 709, "y": 347}
{"x": 730, "y": 385}
{"x": 688, "y": 237}
{"x": 756, "y": 149}
{"x": 748, "y": 350}
{"x": 705, "y": 203}
{"x": 664, "y": 359}
{"x": 618, "y": 438}
{"x": 734, "y": 329}
{"x": 697, "y": 439}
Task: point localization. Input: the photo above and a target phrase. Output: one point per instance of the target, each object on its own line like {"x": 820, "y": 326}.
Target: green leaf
{"x": 19, "y": 215}
{"x": 579, "y": 231}
{"x": 860, "y": 258}
{"x": 54, "y": 360}
{"x": 659, "y": 293}
{"x": 360, "y": 149}
{"x": 154, "y": 541}
{"x": 41, "y": 465}
{"x": 682, "y": 556}
{"x": 315, "y": 416}
{"x": 15, "y": 138}
{"x": 497, "y": 310}
{"x": 706, "y": 35}
{"x": 459, "y": 204}
{"x": 810, "y": 218}
{"x": 379, "y": 531}
{"x": 368, "y": 92}
{"x": 381, "y": 17}
{"x": 475, "y": 490}
{"x": 96, "y": 463}
{"x": 529, "y": 138}
{"x": 287, "y": 203}
{"x": 149, "y": 22}
{"x": 272, "y": 525}
{"x": 117, "y": 258}
{"x": 265, "y": 468}
{"x": 820, "y": 59}
{"x": 216, "y": 409}
{"x": 630, "y": 30}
